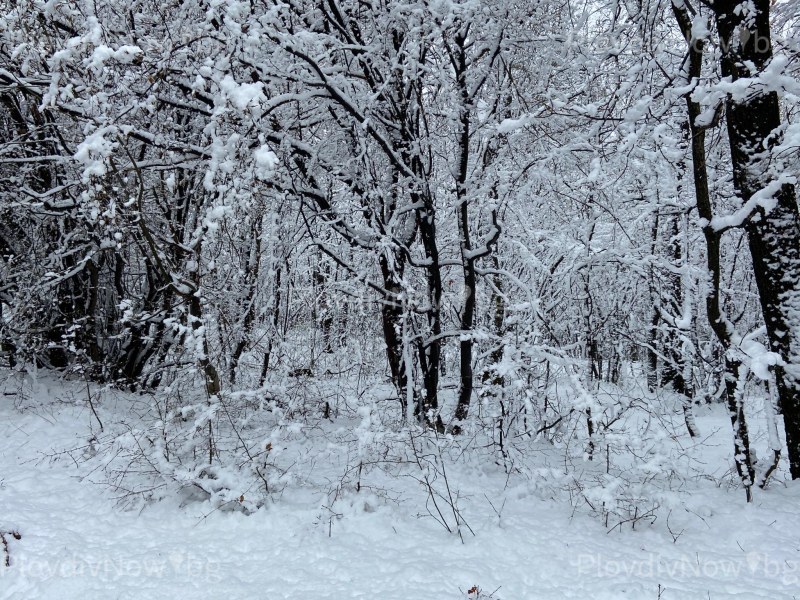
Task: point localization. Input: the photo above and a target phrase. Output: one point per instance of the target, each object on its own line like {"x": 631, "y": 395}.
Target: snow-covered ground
{"x": 78, "y": 542}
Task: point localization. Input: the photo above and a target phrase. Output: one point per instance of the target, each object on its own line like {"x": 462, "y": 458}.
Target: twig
{"x": 17, "y": 536}
{"x": 91, "y": 404}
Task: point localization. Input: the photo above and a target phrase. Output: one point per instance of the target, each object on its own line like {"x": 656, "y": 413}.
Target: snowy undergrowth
{"x": 355, "y": 506}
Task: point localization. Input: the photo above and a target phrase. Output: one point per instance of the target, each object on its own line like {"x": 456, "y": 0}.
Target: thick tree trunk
{"x": 773, "y": 235}
{"x": 392, "y": 321}
{"x": 430, "y": 352}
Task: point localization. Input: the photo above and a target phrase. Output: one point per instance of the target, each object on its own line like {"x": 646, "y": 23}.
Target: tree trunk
{"x": 247, "y": 303}
{"x": 430, "y": 353}
{"x": 773, "y": 235}
{"x": 392, "y": 321}
{"x": 655, "y": 319}
{"x": 722, "y": 327}
{"x": 465, "y": 244}
{"x": 276, "y": 317}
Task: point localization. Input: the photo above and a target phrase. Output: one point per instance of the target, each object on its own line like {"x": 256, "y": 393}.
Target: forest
{"x": 405, "y": 255}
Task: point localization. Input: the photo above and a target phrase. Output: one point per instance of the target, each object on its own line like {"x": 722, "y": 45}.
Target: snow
{"x": 78, "y": 543}
{"x": 700, "y": 28}
{"x": 243, "y": 96}
{"x": 265, "y": 161}
{"x": 759, "y": 359}
{"x": 510, "y": 125}
{"x": 124, "y": 54}
{"x": 94, "y": 150}
{"x": 764, "y": 199}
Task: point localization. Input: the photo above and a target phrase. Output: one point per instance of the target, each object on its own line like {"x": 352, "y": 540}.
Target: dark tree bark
{"x": 722, "y": 327}
{"x": 430, "y": 351}
{"x": 392, "y": 322}
{"x": 655, "y": 318}
{"x": 471, "y": 250}
{"x": 195, "y": 319}
{"x": 589, "y": 342}
{"x": 468, "y": 258}
{"x": 773, "y": 235}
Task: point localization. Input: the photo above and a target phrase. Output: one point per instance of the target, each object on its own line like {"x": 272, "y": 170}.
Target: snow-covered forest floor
{"x": 329, "y": 533}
